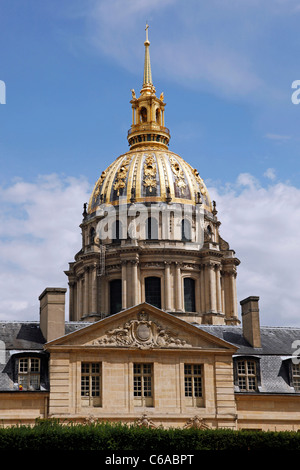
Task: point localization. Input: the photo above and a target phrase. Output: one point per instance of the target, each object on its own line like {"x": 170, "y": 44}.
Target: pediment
{"x": 142, "y": 327}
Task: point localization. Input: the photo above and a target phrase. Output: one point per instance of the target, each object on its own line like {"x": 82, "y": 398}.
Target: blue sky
{"x": 226, "y": 68}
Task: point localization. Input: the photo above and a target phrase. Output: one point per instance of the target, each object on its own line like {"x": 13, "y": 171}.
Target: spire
{"x": 147, "y": 65}
{"x": 147, "y": 82}
{"x": 148, "y": 121}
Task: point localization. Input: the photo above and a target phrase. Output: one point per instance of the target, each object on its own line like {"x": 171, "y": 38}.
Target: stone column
{"x": 218, "y": 288}
{"x": 134, "y": 277}
{"x": 94, "y": 306}
{"x": 206, "y": 288}
{"x": 178, "y": 288}
{"x": 71, "y": 301}
{"x": 79, "y": 312}
{"x": 202, "y": 289}
{"x": 234, "y": 295}
{"x": 124, "y": 284}
{"x": 212, "y": 287}
{"x": 86, "y": 292}
{"x": 167, "y": 286}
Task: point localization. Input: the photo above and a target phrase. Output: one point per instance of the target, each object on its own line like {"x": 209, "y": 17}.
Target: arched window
{"x": 189, "y": 294}
{"x": 158, "y": 116}
{"x": 153, "y": 291}
{"x": 143, "y": 114}
{"x": 92, "y": 236}
{"x": 186, "y": 234}
{"x": 151, "y": 229}
{"x": 116, "y": 231}
{"x": 115, "y": 292}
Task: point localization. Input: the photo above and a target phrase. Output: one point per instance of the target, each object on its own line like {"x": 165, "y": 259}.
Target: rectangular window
{"x": 91, "y": 383}
{"x": 296, "y": 376}
{"x": 193, "y": 384}
{"x": 143, "y": 384}
{"x": 247, "y": 376}
{"x": 29, "y": 373}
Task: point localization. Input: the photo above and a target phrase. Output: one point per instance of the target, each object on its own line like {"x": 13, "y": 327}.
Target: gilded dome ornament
{"x": 149, "y": 172}
{"x": 179, "y": 175}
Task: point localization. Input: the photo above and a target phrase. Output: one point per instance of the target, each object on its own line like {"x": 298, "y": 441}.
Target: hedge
{"x": 52, "y": 435}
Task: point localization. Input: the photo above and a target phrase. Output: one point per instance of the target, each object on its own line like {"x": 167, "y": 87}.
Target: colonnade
{"x": 215, "y": 287}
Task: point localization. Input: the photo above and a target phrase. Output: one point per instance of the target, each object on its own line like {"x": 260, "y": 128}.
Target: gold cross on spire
{"x": 147, "y": 66}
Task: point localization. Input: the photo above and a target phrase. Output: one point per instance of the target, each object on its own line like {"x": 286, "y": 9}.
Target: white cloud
{"x": 39, "y": 235}
{"x": 221, "y": 47}
{"x": 278, "y": 137}
{"x": 270, "y": 174}
{"x": 262, "y": 225}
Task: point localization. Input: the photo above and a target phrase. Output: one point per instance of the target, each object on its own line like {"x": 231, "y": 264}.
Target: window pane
{"x": 252, "y": 383}
{"x": 23, "y": 365}
{"x": 247, "y": 376}
{"x": 189, "y": 294}
{"x": 242, "y": 383}
{"x": 296, "y": 376}
{"x": 115, "y": 296}
{"x": 35, "y": 382}
{"x": 35, "y": 365}
{"x": 142, "y": 381}
{"x": 193, "y": 380}
{"x": 90, "y": 379}
{"x": 147, "y": 387}
{"x": 151, "y": 229}
{"x": 85, "y": 368}
{"x": 153, "y": 291}
{"x": 95, "y": 386}
{"x": 137, "y": 386}
{"x": 85, "y": 386}
{"x": 186, "y": 230}
{"x": 188, "y": 386}
{"x": 241, "y": 367}
{"x": 251, "y": 367}
{"x": 197, "y": 386}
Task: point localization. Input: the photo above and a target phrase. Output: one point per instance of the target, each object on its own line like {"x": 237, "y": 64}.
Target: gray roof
{"x": 274, "y": 340}
{"x": 28, "y": 335}
{"x": 277, "y": 347}
{"x": 275, "y": 352}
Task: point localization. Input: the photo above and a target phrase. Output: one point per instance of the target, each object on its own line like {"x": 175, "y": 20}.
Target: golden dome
{"x": 149, "y": 172}
{"x": 149, "y": 175}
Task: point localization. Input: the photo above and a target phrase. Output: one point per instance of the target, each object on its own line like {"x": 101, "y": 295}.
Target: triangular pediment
{"x": 142, "y": 327}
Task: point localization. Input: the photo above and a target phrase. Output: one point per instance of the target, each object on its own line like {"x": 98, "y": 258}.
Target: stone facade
{"x": 153, "y": 335}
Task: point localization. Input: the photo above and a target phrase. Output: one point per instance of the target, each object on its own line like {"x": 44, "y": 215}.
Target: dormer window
{"x": 29, "y": 373}
{"x": 247, "y": 374}
{"x": 296, "y": 376}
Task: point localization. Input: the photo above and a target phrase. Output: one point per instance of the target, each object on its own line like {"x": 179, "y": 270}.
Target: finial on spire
{"x": 147, "y": 66}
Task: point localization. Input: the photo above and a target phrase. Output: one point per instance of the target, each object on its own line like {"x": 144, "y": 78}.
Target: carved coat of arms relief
{"x": 143, "y": 334}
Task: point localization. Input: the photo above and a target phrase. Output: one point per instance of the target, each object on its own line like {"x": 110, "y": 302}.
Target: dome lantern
{"x": 148, "y": 126}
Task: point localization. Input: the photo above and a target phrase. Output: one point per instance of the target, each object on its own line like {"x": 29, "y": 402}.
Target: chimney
{"x": 250, "y": 320}
{"x": 52, "y": 312}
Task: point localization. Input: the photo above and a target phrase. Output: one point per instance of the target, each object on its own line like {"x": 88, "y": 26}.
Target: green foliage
{"x": 53, "y": 435}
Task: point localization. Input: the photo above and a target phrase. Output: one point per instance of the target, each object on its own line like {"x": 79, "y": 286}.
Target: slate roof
{"x": 274, "y": 340}
{"x": 274, "y": 355}
{"x": 277, "y": 349}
